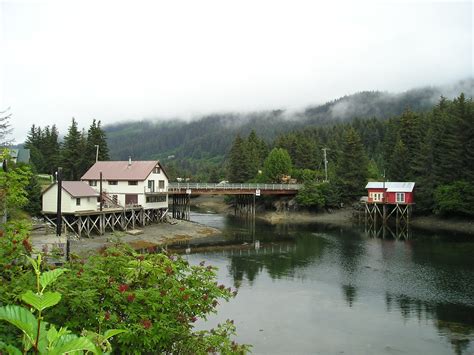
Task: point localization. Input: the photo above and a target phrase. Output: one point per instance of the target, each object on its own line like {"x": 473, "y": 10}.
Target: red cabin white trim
{"x": 390, "y": 192}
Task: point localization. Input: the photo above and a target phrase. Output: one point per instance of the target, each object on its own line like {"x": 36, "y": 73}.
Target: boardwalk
{"x": 233, "y": 189}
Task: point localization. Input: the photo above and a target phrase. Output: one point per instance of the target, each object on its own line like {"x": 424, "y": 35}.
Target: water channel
{"x": 314, "y": 289}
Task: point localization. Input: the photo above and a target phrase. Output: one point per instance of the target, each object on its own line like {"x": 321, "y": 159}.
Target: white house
{"x": 76, "y": 196}
{"x": 128, "y": 183}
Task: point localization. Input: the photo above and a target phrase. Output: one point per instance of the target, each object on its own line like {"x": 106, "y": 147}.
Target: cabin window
{"x": 400, "y": 197}
{"x": 113, "y": 182}
{"x": 78, "y": 201}
{"x": 161, "y": 184}
{"x": 156, "y": 170}
{"x": 92, "y": 182}
{"x": 376, "y": 196}
{"x": 133, "y": 182}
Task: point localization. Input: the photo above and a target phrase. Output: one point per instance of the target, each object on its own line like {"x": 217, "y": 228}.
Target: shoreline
{"x": 150, "y": 236}
{"x": 338, "y": 217}
{"x": 162, "y": 234}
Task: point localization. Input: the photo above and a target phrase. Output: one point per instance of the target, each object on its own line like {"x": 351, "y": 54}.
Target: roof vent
{"x": 129, "y": 160}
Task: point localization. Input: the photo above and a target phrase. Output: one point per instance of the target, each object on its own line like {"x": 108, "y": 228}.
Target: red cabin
{"x": 390, "y": 192}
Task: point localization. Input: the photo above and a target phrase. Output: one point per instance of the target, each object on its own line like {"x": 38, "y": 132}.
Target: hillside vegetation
{"x": 200, "y": 147}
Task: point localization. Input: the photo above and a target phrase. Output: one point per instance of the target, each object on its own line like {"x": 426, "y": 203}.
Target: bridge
{"x": 233, "y": 189}
{"x": 244, "y": 194}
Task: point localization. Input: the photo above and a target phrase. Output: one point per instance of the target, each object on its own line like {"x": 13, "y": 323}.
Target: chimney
{"x": 129, "y": 160}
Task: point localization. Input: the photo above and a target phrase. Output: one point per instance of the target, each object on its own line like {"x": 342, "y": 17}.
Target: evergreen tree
{"x": 50, "y": 149}
{"x": 238, "y": 161}
{"x": 352, "y": 168}
{"x": 5, "y": 128}
{"x": 398, "y": 170}
{"x": 96, "y": 137}
{"x": 256, "y": 152}
{"x": 33, "y": 143}
{"x": 71, "y": 153}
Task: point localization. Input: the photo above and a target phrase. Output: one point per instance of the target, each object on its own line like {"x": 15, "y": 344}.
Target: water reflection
{"x": 453, "y": 321}
{"x": 421, "y": 288}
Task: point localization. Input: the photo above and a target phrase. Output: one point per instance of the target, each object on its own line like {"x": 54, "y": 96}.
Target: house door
{"x": 131, "y": 199}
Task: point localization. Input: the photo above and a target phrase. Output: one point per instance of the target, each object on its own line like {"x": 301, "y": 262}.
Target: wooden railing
{"x": 177, "y": 186}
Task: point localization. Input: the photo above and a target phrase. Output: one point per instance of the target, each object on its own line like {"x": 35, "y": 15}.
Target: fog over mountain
{"x": 210, "y": 136}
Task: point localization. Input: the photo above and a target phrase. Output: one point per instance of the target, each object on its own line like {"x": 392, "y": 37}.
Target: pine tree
{"x": 238, "y": 160}
{"x": 96, "y": 137}
{"x": 398, "y": 169}
{"x": 5, "y": 128}
{"x": 34, "y": 144}
{"x": 352, "y": 168}
{"x": 71, "y": 153}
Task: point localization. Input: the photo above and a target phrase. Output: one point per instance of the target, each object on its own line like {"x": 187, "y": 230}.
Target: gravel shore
{"x": 149, "y": 236}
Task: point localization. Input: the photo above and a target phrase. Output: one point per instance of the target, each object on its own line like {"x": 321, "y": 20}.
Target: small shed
{"x": 390, "y": 192}
{"x": 76, "y": 196}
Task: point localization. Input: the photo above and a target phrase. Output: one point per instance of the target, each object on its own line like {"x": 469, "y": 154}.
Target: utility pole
{"x": 96, "y": 153}
{"x": 325, "y": 163}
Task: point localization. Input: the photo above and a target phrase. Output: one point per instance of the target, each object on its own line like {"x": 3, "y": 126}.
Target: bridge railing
{"x": 176, "y": 186}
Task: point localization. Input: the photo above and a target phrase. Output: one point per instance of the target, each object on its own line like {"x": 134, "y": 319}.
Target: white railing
{"x": 207, "y": 186}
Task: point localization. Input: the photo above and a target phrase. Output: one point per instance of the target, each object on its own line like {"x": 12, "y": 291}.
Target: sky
{"x": 133, "y": 60}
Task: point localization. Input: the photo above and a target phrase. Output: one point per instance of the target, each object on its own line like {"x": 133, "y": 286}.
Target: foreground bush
{"x": 156, "y": 297}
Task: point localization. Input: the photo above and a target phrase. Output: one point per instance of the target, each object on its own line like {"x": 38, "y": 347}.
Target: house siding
{"x": 68, "y": 202}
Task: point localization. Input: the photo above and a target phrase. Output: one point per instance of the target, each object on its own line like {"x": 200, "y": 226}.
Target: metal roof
{"x": 391, "y": 186}
{"x": 76, "y": 189}
{"x": 121, "y": 170}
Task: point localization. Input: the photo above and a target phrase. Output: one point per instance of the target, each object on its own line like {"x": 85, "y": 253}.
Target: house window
{"x": 115, "y": 199}
{"x": 400, "y": 197}
{"x": 113, "y": 182}
{"x": 78, "y": 201}
{"x": 161, "y": 184}
{"x": 159, "y": 198}
{"x": 133, "y": 182}
{"x": 151, "y": 185}
{"x": 92, "y": 182}
{"x": 156, "y": 170}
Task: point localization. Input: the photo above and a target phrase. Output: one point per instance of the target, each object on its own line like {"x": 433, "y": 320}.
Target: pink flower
{"x": 146, "y": 323}
{"x": 122, "y": 288}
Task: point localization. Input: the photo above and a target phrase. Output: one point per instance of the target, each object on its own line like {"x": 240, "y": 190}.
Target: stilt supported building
{"x": 386, "y": 199}
{"x": 113, "y": 195}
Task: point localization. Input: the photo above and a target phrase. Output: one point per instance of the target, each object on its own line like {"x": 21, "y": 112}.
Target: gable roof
{"x": 76, "y": 189}
{"x": 121, "y": 170}
{"x": 391, "y": 186}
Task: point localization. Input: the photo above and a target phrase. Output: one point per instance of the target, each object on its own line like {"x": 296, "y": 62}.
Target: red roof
{"x": 76, "y": 189}
{"x": 121, "y": 170}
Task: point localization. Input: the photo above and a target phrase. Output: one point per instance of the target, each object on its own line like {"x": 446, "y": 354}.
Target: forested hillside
{"x": 434, "y": 149}
{"x": 199, "y": 147}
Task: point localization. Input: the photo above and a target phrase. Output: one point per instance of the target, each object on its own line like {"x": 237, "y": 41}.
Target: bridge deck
{"x": 233, "y": 189}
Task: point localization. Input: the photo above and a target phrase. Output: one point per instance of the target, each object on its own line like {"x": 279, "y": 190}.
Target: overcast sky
{"x": 131, "y": 60}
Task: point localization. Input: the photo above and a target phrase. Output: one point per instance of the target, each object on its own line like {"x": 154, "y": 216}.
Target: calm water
{"x": 318, "y": 290}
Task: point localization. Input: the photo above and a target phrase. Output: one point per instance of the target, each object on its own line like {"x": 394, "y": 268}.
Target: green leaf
{"x": 74, "y": 345}
{"x": 34, "y": 263}
{"x": 41, "y": 302}
{"x": 113, "y": 332}
{"x": 49, "y": 277}
{"x": 21, "y": 318}
{"x": 52, "y": 334}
